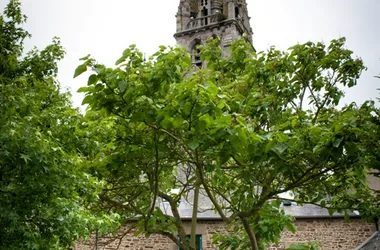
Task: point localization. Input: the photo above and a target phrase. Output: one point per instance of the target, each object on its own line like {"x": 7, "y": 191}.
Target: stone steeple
{"x": 198, "y": 20}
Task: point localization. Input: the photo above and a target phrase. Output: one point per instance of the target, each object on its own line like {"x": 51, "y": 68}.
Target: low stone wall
{"x": 331, "y": 233}
{"x": 154, "y": 242}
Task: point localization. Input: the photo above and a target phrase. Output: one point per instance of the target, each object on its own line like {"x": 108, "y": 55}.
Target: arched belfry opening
{"x": 196, "y": 53}
{"x": 237, "y": 12}
{"x": 204, "y": 13}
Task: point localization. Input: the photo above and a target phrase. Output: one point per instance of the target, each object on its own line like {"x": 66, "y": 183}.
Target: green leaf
{"x": 337, "y": 142}
{"x": 221, "y": 105}
{"x": 88, "y": 99}
{"x": 26, "y": 158}
{"x": 178, "y": 121}
{"x": 269, "y": 146}
{"x": 241, "y": 120}
{"x": 282, "y": 137}
{"x": 205, "y": 109}
{"x": 242, "y": 135}
{"x": 83, "y": 89}
{"x": 193, "y": 144}
{"x": 331, "y": 211}
{"x": 167, "y": 122}
{"x": 323, "y": 203}
{"x": 294, "y": 123}
{"x": 80, "y": 69}
{"x": 201, "y": 125}
{"x": 123, "y": 85}
{"x": 283, "y": 126}
{"x": 120, "y": 60}
{"x": 291, "y": 227}
{"x": 92, "y": 79}
{"x": 280, "y": 148}
{"x": 85, "y": 58}
{"x": 99, "y": 87}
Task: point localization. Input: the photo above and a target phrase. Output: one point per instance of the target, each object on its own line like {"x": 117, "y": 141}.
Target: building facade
{"x": 331, "y": 233}
{"x": 198, "y": 20}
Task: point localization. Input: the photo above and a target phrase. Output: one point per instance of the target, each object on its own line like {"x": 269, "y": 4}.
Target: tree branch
{"x": 210, "y": 195}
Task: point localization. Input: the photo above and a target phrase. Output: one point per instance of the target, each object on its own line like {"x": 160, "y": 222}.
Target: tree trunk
{"x": 251, "y": 234}
{"x": 195, "y": 216}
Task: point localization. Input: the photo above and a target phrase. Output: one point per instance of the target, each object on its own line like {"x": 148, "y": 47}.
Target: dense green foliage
{"x": 42, "y": 187}
{"x": 245, "y": 129}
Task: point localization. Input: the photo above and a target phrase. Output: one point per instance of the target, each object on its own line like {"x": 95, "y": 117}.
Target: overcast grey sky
{"x": 105, "y": 28}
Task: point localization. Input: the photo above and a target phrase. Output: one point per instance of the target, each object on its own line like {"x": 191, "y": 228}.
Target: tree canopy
{"x": 244, "y": 129}
{"x": 43, "y": 190}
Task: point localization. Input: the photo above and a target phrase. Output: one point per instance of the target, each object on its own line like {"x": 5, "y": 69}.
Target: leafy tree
{"x": 367, "y": 200}
{"x": 244, "y": 130}
{"x": 42, "y": 187}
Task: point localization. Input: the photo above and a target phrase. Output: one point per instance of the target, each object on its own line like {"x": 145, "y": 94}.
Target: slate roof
{"x": 373, "y": 243}
{"x": 305, "y": 211}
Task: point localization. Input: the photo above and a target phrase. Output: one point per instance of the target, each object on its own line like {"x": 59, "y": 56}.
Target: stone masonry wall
{"x": 226, "y": 33}
{"x": 331, "y": 233}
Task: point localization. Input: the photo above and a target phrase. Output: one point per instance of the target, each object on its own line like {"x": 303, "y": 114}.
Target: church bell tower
{"x": 197, "y": 20}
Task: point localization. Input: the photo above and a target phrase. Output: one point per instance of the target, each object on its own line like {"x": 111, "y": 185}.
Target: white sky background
{"x": 105, "y": 28}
